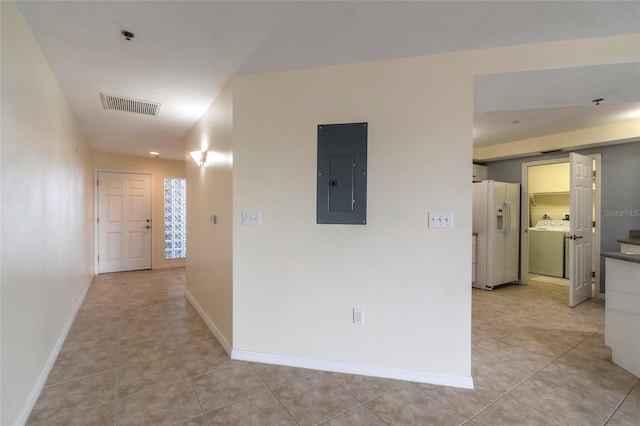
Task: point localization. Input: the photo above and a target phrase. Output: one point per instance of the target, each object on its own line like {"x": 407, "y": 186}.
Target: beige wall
{"x": 548, "y": 192}
{"x": 549, "y": 178}
{"x": 47, "y": 211}
{"x": 625, "y": 131}
{"x": 555, "y": 206}
{"x": 209, "y": 263}
{"x": 158, "y": 169}
{"x": 295, "y": 283}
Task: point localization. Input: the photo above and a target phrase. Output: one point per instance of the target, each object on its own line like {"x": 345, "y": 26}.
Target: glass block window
{"x": 175, "y": 218}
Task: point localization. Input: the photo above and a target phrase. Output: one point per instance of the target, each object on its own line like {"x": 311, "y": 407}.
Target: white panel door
{"x": 124, "y": 222}
{"x": 580, "y": 247}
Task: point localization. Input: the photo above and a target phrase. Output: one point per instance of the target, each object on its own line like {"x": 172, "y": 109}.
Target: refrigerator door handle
{"x": 507, "y": 226}
{"x": 504, "y": 219}
{"x": 510, "y": 218}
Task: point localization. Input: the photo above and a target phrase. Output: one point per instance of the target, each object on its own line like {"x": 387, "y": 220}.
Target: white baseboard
{"x": 465, "y": 382}
{"x": 169, "y": 266}
{"x": 216, "y": 332}
{"x": 25, "y": 412}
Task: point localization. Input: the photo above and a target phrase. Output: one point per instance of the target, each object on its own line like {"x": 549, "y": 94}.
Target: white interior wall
{"x": 209, "y": 259}
{"x": 47, "y": 217}
{"x": 296, "y": 282}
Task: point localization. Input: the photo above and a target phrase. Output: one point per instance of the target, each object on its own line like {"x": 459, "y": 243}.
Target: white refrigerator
{"x": 496, "y": 221}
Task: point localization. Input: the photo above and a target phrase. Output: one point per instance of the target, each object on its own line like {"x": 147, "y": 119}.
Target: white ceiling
{"x": 516, "y": 106}
{"x": 183, "y": 52}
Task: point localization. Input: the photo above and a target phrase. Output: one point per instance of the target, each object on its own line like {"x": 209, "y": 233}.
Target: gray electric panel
{"x": 342, "y": 174}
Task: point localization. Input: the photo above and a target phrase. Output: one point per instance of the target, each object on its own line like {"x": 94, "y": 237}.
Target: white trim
{"x": 597, "y": 244}
{"x": 524, "y": 209}
{"x": 216, "y": 332}
{"x": 31, "y": 400}
{"x": 96, "y": 212}
{"x": 171, "y": 265}
{"x": 524, "y": 213}
{"x": 465, "y": 382}
{"x": 96, "y": 243}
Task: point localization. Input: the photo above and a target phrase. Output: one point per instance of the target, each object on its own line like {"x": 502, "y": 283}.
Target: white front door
{"x": 124, "y": 222}
{"x": 581, "y": 225}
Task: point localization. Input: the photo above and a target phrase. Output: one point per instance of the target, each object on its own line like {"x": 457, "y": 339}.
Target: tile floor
{"x": 139, "y": 354}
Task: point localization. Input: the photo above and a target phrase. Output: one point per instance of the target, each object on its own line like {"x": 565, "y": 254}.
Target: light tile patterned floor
{"x": 139, "y": 354}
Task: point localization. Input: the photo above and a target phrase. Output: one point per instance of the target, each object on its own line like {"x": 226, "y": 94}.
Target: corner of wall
{"x": 33, "y": 396}
{"x": 209, "y": 282}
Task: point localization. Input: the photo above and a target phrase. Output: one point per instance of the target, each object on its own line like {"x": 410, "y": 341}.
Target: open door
{"x": 580, "y": 244}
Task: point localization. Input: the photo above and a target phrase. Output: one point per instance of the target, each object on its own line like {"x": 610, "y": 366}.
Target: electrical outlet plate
{"x": 440, "y": 220}
{"x": 251, "y": 217}
{"x": 358, "y": 316}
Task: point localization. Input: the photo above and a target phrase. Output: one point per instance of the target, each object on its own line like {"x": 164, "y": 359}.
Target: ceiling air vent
{"x": 120, "y": 103}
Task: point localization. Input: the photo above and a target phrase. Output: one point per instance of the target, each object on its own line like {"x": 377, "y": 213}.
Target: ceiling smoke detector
{"x": 120, "y": 103}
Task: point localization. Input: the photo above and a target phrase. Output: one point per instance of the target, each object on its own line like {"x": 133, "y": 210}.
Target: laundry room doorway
{"x": 548, "y": 231}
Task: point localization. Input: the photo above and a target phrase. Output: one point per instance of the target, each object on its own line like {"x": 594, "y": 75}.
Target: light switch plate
{"x": 440, "y": 220}
{"x": 358, "y": 316}
{"x": 251, "y": 217}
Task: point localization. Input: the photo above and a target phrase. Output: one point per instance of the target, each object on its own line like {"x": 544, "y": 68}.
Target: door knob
{"x": 147, "y": 226}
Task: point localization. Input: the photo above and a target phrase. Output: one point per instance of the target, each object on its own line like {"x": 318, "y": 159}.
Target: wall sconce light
{"x": 200, "y": 157}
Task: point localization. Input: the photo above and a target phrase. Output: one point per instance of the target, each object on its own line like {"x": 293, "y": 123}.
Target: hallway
{"x": 139, "y": 354}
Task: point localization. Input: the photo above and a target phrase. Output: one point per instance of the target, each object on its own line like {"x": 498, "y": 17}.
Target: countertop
{"x": 634, "y": 258}
{"x": 633, "y": 241}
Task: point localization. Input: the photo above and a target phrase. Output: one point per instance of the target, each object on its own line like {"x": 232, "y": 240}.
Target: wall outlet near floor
{"x": 251, "y": 217}
{"x": 358, "y": 316}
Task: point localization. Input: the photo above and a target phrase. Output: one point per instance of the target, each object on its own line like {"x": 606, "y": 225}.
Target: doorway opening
{"x": 545, "y": 206}
{"x": 123, "y": 221}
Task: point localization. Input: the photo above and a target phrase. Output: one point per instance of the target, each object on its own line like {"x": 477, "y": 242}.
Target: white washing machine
{"x": 547, "y": 247}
